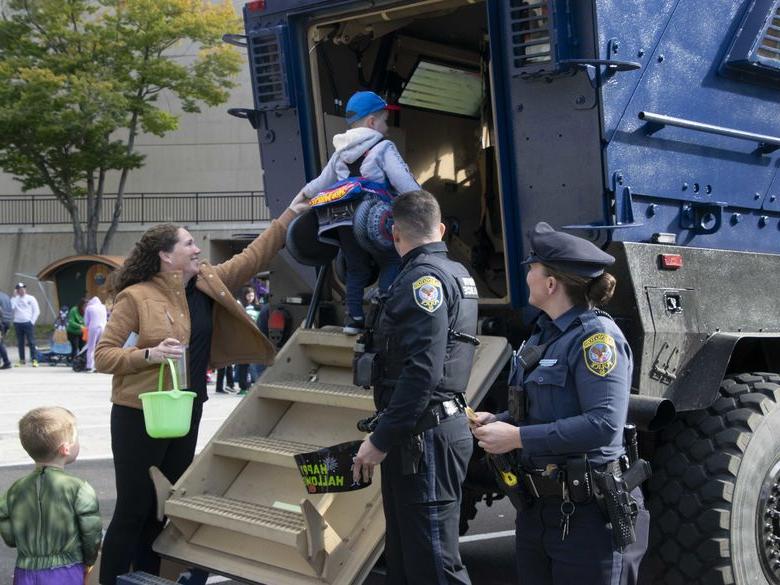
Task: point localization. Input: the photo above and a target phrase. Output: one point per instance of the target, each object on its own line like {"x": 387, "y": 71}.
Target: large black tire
{"x": 715, "y": 489}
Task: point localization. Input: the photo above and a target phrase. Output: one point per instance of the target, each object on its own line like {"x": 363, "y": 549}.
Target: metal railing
{"x": 142, "y": 208}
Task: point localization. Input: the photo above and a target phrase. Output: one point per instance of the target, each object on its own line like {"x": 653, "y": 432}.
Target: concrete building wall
{"x": 210, "y": 151}
{"x": 27, "y": 250}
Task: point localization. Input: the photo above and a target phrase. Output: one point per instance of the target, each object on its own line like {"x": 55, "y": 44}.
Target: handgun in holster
{"x": 369, "y": 424}
{"x": 412, "y": 450}
{"x": 614, "y": 495}
{"x": 509, "y": 478}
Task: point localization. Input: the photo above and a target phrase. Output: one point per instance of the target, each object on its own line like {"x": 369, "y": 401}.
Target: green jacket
{"x": 52, "y": 518}
{"x": 75, "y": 321}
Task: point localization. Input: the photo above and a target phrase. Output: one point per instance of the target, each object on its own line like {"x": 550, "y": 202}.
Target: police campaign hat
{"x": 566, "y": 252}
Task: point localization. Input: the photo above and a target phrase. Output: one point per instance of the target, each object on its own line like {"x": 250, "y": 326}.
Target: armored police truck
{"x": 650, "y": 127}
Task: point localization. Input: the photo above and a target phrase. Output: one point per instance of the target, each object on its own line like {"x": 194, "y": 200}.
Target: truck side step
{"x": 141, "y": 578}
{"x": 281, "y": 526}
{"x": 262, "y": 449}
{"x": 331, "y": 336}
{"x": 316, "y": 393}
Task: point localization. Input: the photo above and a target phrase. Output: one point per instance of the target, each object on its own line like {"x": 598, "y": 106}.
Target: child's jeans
{"x": 70, "y": 575}
{"x": 359, "y": 271}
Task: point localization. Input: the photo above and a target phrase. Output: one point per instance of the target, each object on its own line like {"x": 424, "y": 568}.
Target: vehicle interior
{"x": 431, "y": 59}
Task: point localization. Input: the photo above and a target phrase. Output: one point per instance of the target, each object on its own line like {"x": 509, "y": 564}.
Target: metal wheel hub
{"x": 768, "y": 525}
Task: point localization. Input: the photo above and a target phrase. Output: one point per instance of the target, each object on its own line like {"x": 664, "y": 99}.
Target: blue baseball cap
{"x": 363, "y": 103}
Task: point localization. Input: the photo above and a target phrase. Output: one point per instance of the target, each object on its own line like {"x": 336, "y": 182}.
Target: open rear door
{"x": 241, "y": 509}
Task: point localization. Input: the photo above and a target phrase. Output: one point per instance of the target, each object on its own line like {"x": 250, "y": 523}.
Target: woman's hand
{"x": 498, "y": 437}
{"x": 168, "y": 348}
{"x": 300, "y": 203}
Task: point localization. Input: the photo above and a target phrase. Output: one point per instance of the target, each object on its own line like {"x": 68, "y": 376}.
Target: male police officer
{"x": 424, "y": 343}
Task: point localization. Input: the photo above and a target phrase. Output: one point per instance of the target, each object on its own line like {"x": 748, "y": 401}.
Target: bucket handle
{"x": 172, "y": 366}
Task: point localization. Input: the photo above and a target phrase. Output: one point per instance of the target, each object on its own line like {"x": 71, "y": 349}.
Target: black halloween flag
{"x": 330, "y": 469}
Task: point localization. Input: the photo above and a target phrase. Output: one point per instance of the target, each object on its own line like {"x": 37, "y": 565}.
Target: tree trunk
{"x": 120, "y": 189}
{"x": 78, "y": 234}
{"x": 91, "y": 216}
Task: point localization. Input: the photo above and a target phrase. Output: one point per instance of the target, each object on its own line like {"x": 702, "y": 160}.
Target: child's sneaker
{"x": 354, "y": 325}
{"x": 35, "y": 363}
{"x": 19, "y": 364}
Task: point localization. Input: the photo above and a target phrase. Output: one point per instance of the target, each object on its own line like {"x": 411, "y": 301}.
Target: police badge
{"x": 600, "y": 354}
{"x": 428, "y": 293}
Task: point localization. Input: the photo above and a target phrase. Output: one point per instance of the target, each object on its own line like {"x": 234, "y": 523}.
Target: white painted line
{"x": 217, "y": 579}
{"x": 486, "y": 536}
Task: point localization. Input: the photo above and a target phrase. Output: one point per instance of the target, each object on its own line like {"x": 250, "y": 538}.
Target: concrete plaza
{"x": 88, "y": 396}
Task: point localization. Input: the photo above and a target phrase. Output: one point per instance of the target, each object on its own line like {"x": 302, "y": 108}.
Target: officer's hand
{"x": 300, "y": 204}
{"x": 498, "y": 437}
{"x": 363, "y": 463}
{"x": 478, "y": 419}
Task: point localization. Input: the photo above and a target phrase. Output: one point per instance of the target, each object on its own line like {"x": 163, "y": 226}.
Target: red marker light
{"x": 276, "y": 320}
{"x": 255, "y": 6}
{"x": 671, "y": 261}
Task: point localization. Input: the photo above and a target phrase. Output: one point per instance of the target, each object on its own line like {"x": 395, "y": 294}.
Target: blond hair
{"x": 43, "y": 430}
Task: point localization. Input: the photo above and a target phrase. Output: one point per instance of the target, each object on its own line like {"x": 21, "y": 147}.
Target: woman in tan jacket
{"x": 167, "y": 298}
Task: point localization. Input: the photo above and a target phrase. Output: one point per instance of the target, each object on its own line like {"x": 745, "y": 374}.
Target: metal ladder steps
{"x": 274, "y": 524}
{"x": 262, "y": 449}
{"x": 330, "y": 336}
{"x": 317, "y": 393}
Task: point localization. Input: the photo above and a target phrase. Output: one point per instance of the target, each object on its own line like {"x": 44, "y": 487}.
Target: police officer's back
{"x": 423, "y": 338}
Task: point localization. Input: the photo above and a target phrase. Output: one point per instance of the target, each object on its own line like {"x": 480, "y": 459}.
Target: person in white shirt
{"x": 26, "y": 313}
{"x": 95, "y": 318}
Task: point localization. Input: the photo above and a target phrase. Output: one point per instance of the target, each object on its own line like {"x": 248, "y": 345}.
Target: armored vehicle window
{"x": 755, "y": 52}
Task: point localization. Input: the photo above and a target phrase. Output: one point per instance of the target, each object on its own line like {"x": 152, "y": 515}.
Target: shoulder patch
{"x": 468, "y": 288}
{"x": 428, "y": 293}
{"x": 600, "y": 354}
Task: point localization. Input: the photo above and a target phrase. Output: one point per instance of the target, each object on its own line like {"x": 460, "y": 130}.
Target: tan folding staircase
{"x": 241, "y": 509}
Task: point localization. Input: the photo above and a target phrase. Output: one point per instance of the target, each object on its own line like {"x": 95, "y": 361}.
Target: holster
{"x": 412, "y": 450}
{"x": 509, "y": 479}
{"x": 364, "y": 369}
{"x": 578, "y": 479}
{"x": 613, "y": 493}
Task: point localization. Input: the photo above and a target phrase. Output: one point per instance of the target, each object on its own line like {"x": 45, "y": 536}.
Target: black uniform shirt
{"x": 412, "y": 329}
{"x": 201, "y": 327}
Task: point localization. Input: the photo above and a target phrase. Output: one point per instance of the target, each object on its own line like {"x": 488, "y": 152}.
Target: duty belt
{"x": 438, "y": 412}
{"x": 546, "y": 483}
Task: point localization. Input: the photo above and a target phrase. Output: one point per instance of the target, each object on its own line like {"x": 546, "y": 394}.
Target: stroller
{"x": 59, "y": 346}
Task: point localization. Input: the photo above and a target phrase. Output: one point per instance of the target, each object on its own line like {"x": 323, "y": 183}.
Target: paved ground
{"x": 88, "y": 397}
{"x": 488, "y": 548}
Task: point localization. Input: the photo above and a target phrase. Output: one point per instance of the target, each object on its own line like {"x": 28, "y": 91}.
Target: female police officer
{"x": 570, "y": 403}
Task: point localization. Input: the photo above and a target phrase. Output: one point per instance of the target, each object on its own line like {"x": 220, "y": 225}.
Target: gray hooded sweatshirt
{"x": 383, "y": 163}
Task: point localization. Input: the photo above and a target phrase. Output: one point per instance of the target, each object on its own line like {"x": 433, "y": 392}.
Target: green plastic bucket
{"x": 167, "y": 413}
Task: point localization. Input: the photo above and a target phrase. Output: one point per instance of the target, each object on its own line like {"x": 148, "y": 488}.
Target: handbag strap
{"x": 172, "y": 366}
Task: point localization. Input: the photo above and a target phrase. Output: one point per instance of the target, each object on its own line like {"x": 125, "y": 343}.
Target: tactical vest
{"x": 461, "y": 306}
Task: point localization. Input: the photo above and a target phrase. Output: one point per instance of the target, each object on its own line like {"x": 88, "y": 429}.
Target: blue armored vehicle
{"x": 651, "y": 127}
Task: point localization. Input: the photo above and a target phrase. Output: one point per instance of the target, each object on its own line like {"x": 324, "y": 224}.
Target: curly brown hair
{"x": 144, "y": 259}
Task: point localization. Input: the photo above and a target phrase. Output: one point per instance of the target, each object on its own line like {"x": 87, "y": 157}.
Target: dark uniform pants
{"x": 422, "y": 510}
{"x": 587, "y": 555}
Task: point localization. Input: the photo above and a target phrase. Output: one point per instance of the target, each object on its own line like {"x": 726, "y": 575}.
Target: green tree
{"x": 79, "y": 79}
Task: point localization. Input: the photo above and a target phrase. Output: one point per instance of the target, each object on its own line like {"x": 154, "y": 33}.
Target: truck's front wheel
{"x": 715, "y": 493}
